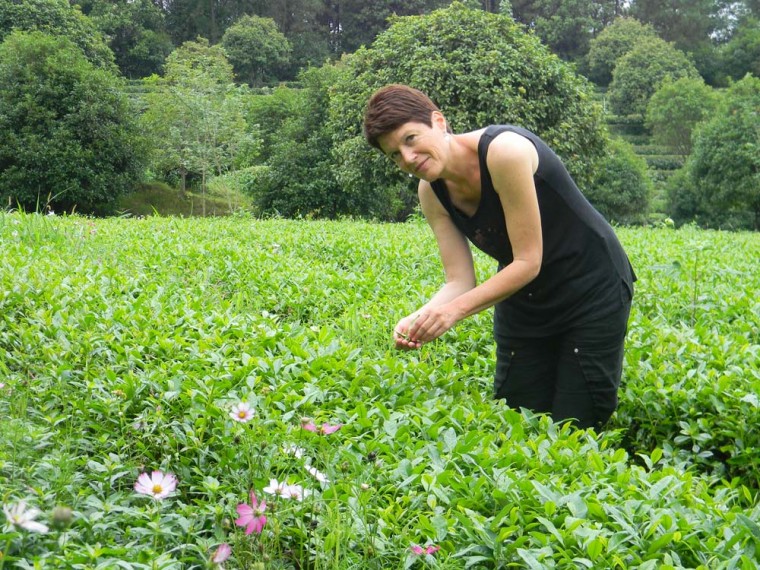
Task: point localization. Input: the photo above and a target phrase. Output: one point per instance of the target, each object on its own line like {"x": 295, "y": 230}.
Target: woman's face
{"x": 416, "y": 148}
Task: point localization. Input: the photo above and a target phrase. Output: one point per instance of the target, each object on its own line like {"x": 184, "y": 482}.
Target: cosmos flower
{"x": 22, "y": 517}
{"x": 294, "y": 450}
{"x": 430, "y": 549}
{"x": 318, "y": 475}
{"x": 324, "y": 429}
{"x": 222, "y": 553}
{"x": 252, "y": 516}
{"x": 241, "y": 412}
{"x": 158, "y": 485}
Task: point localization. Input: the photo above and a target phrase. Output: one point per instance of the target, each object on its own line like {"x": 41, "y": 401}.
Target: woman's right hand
{"x": 400, "y": 334}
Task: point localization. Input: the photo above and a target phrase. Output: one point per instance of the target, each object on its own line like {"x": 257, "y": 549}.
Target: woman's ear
{"x": 439, "y": 121}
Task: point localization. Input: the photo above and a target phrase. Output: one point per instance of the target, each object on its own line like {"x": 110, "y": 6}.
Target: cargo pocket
{"x": 601, "y": 373}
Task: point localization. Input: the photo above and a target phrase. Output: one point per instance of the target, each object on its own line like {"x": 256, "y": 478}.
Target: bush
{"x": 481, "y": 69}
{"x": 622, "y": 189}
{"x": 676, "y": 108}
{"x": 66, "y": 128}
{"x": 639, "y": 73}
{"x": 57, "y": 18}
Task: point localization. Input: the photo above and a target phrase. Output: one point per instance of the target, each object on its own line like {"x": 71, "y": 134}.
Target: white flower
{"x": 276, "y": 488}
{"x": 157, "y": 484}
{"x": 282, "y": 489}
{"x": 296, "y": 492}
{"x": 294, "y": 450}
{"x": 18, "y": 515}
{"x": 318, "y": 475}
{"x": 241, "y": 412}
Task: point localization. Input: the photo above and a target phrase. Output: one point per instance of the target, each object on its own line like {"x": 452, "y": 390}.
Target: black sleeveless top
{"x": 585, "y": 274}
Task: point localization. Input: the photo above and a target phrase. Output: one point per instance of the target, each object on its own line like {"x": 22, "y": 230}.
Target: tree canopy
{"x": 257, "y": 50}
{"x": 639, "y": 73}
{"x": 56, "y": 17}
{"x": 67, "y": 131}
{"x": 480, "y": 68}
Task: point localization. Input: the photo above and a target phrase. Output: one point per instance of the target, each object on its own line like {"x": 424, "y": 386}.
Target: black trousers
{"x": 574, "y": 375}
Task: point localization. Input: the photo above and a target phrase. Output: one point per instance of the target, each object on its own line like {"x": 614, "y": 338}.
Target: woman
{"x": 563, "y": 291}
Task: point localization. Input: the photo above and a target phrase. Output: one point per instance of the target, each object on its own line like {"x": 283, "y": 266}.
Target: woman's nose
{"x": 408, "y": 157}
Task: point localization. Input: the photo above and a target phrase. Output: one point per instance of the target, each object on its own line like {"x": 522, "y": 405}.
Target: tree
{"x": 724, "y": 166}
{"x": 358, "y": 22}
{"x": 66, "y": 129}
{"x": 566, "y": 27}
{"x": 611, "y": 44}
{"x": 686, "y": 23}
{"x": 480, "y": 68}
{"x": 639, "y": 73}
{"x": 257, "y": 50}
{"x": 676, "y": 108}
{"x": 622, "y": 189}
{"x": 741, "y": 54}
{"x": 195, "y": 114}
{"x": 56, "y": 17}
{"x": 136, "y": 34}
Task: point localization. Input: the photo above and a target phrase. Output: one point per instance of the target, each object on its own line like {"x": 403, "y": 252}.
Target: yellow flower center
{"x": 157, "y": 489}
{"x": 242, "y": 414}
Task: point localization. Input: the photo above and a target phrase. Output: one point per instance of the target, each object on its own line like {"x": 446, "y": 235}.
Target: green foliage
{"x": 622, "y": 190}
{"x": 59, "y": 18}
{"x": 195, "y": 115}
{"x": 136, "y": 34}
{"x": 724, "y": 166}
{"x": 257, "y": 50}
{"x": 741, "y": 54}
{"x": 67, "y": 132}
{"x": 269, "y": 111}
{"x": 612, "y": 43}
{"x": 639, "y": 73}
{"x": 300, "y": 180}
{"x": 111, "y": 369}
{"x": 565, "y": 27}
{"x": 692, "y": 356}
{"x": 686, "y": 23}
{"x": 676, "y": 108}
{"x": 481, "y": 69}
{"x": 360, "y": 22}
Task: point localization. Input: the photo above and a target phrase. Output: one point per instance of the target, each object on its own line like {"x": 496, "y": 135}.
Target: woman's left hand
{"x": 432, "y": 322}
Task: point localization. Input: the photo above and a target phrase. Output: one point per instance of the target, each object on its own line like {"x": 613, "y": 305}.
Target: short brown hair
{"x": 392, "y": 106}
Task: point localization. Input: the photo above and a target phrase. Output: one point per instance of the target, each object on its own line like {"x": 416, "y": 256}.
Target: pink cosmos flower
{"x": 18, "y": 515}
{"x": 158, "y": 485}
{"x": 222, "y": 553}
{"x": 241, "y": 412}
{"x": 324, "y": 429}
{"x": 430, "y": 549}
{"x": 252, "y": 516}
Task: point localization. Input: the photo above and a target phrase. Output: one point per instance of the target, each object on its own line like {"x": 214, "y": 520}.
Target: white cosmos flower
{"x": 318, "y": 475}
{"x": 241, "y": 412}
{"x": 21, "y": 516}
{"x": 294, "y": 450}
{"x": 276, "y": 488}
{"x": 158, "y": 485}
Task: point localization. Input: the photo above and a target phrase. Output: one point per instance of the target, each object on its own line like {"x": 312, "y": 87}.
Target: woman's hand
{"x": 432, "y": 322}
{"x": 401, "y": 336}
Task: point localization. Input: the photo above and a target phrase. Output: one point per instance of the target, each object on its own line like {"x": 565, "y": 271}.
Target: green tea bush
{"x": 128, "y": 344}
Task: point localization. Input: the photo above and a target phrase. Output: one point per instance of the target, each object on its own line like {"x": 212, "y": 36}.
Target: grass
{"x": 160, "y": 199}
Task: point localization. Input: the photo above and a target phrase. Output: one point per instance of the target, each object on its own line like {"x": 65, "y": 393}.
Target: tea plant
{"x": 195, "y": 393}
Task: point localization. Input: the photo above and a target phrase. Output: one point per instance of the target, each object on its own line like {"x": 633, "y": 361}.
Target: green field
{"x": 126, "y": 343}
